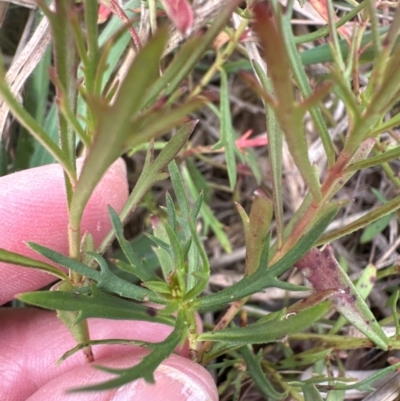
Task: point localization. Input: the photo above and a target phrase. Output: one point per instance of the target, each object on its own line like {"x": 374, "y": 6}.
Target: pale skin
{"x": 32, "y": 207}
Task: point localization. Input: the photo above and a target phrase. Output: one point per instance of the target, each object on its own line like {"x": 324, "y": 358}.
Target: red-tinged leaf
{"x": 180, "y": 13}
{"x": 245, "y": 142}
{"x": 103, "y": 14}
{"x": 322, "y": 9}
{"x": 114, "y": 7}
{"x": 268, "y": 28}
{"x": 323, "y": 271}
{"x": 247, "y": 35}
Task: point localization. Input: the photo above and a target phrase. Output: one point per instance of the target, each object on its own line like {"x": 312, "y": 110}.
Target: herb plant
{"x": 104, "y": 109}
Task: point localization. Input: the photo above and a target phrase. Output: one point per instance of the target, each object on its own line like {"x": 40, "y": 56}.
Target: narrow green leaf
{"x": 137, "y": 268}
{"x": 323, "y": 53}
{"x": 199, "y": 179}
{"x": 257, "y": 374}
{"x": 160, "y": 287}
{"x": 375, "y": 228}
{"x": 311, "y": 393}
{"x": 179, "y": 189}
{"x": 125, "y": 267}
{"x": 259, "y": 224}
{"x": 178, "y": 256}
{"x": 171, "y": 211}
{"x": 196, "y": 208}
{"x": 208, "y": 216}
{"x": 65, "y": 56}
{"x": 146, "y": 367}
{"x": 244, "y": 217}
{"x": 141, "y": 245}
{"x": 98, "y": 304}
{"x": 336, "y": 395}
{"x": 119, "y": 44}
{"x": 41, "y": 155}
{"x": 35, "y": 99}
{"x": 266, "y": 277}
{"x": 111, "y": 341}
{"x": 385, "y": 126}
{"x": 334, "y": 39}
{"x": 305, "y": 358}
{"x": 35, "y": 129}
{"x": 105, "y": 278}
{"x": 275, "y": 142}
{"x": 227, "y": 131}
{"x": 202, "y": 269}
{"x": 152, "y": 172}
{"x": 160, "y": 122}
{"x": 288, "y": 114}
{"x": 321, "y": 32}
{"x": 267, "y": 332}
{"x": 20, "y": 260}
{"x": 114, "y": 123}
{"x": 92, "y": 39}
{"x": 161, "y": 243}
{"x": 163, "y": 254}
{"x": 366, "y": 384}
{"x": 393, "y": 301}
{"x": 389, "y": 207}
{"x": 186, "y": 247}
{"x": 305, "y": 88}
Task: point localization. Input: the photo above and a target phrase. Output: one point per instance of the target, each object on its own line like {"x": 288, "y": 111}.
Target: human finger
{"x": 33, "y": 208}
{"x": 32, "y": 341}
{"x": 177, "y": 379}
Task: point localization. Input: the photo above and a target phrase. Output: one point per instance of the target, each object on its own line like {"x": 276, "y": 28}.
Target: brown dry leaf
{"x": 220, "y": 40}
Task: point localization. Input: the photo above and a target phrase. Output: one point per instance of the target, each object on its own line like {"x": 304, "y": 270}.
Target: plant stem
{"x": 223, "y": 322}
{"x": 334, "y": 177}
{"x": 221, "y": 58}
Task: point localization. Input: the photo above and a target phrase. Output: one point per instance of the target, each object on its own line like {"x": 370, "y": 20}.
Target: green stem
{"x": 151, "y": 174}
{"x": 313, "y": 210}
{"x": 381, "y": 211}
{"x": 153, "y": 15}
{"x": 378, "y": 159}
{"x": 221, "y": 58}
{"x": 319, "y": 33}
{"x": 275, "y": 139}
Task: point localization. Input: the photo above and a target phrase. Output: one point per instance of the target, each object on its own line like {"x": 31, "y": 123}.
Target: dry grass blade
{"x": 23, "y": 65}
{"x": 390, "y": 391}
{"x": 23, "y": 3}
{"x": 3, "y": 12}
